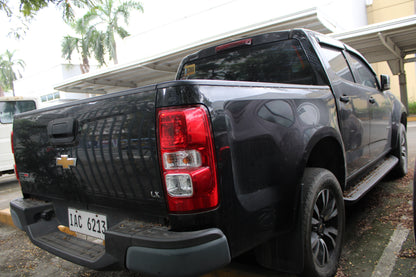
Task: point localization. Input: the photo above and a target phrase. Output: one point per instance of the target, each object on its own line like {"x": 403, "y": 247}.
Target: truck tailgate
{"x": 99, "y": 151}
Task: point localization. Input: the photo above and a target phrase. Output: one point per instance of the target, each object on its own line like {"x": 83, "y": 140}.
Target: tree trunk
{"x": 115, "y": 52}
{"x": 85, "y": 66}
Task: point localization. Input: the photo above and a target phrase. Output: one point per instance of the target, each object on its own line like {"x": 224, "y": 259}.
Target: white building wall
{"x": 345, "y": 14}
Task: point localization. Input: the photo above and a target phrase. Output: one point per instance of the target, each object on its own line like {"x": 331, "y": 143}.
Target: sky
{"x": 41, "y": 45}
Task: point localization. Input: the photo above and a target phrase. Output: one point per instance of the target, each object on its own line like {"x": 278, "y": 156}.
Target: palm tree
{"x": 82, "y": 44}
{"x": 67, "y": 7}
{"x": 8, "y": 69}
{"x": 104, "y": 18}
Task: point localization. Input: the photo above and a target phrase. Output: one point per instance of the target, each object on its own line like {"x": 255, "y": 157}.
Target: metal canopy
{"x": 163, "y": 67}
{"x": 387, "y": 41}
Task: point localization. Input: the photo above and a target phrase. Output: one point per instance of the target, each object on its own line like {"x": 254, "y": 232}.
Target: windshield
{"x": 9, "y": 108}
{"x": 277, "y": 62}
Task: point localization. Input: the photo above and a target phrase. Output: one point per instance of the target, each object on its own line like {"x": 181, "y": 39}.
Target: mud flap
{"x": 285, "y": 252}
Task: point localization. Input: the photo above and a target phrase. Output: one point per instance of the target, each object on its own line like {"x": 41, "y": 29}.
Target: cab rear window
{"x": 277, "y": 62}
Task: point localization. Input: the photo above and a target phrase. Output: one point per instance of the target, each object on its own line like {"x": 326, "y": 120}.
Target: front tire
{"x": 323, "y": 222}
{"x": 401, "y": 153}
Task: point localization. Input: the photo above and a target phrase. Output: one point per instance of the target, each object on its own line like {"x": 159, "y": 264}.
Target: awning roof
{"x": 163, "y": 67}
{"x": 386, "y": 41}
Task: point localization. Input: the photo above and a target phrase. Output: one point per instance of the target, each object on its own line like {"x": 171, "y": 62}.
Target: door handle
{"x": 63, "y": 131}
{"x": 344, "y": 99}
{"x": 372, "y": 100}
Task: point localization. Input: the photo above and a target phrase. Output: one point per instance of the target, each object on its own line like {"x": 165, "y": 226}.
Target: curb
{"x": 6, "y": 218}
{"x": 411, "y": 118}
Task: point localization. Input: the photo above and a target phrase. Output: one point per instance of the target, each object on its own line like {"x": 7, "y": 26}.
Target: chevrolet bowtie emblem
{"x": 66, "y": 162}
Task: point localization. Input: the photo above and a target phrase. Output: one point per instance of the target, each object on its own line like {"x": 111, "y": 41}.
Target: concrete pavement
{"x": 9, "y": 190}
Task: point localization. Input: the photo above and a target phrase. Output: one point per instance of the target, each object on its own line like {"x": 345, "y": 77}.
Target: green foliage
{"x": 30, "y": 7}
{"x": 4, "y": 7}
{"x": 27, "y": 10}
{"x": 412, "y": 108}
{"x": 9, "y": 70}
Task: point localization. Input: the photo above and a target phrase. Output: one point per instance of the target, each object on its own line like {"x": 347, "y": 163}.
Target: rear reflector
{"x": 233, "y": 45}
{"x": 187, "y": 159}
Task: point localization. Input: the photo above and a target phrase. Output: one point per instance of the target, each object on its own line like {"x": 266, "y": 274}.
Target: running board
{"x": 355, "y": 193}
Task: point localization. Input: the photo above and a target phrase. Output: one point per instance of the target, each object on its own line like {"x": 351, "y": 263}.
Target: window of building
{"x": 50, "y": 97}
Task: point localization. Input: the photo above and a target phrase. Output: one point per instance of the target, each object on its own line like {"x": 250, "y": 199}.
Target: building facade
{"x": 384, "y": 10}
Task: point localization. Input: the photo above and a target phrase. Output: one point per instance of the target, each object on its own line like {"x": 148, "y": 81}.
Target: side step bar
{"x": 356, "y": 192}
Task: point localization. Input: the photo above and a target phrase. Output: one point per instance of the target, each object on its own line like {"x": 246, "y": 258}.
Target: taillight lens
{"x": 187, "y": 159}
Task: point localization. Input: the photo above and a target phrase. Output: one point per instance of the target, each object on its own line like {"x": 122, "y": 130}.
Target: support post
{"x": 403, "y": 89}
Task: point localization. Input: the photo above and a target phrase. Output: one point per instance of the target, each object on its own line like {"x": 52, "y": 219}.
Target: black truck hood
{"x": 99, "y": 151}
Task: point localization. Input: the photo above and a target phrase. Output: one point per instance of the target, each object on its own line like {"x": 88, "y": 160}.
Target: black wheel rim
{"x": 324, "y": 227}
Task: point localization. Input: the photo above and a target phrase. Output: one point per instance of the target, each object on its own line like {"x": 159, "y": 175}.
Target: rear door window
{"x": 337, "y": 62}
{"x": 277, "y": 62}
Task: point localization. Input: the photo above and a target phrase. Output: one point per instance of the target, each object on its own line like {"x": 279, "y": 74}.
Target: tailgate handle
{"x": 63, "y": 130}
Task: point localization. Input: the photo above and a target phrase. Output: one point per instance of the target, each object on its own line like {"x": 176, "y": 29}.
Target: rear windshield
{"x": 277, "y": 62}
{"x": 9, "y": 108}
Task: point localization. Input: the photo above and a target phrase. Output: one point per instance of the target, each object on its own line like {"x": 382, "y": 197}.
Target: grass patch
{"x": 412, "y": 108}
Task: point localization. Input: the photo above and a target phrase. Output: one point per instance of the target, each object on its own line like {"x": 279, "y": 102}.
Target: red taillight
{"x": 187, "y": 159}
{"x": 11, "y": 140}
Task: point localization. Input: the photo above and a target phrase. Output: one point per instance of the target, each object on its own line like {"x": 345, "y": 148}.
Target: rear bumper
{"x": 188, "y": 261}
{"x": 137, "y": 246}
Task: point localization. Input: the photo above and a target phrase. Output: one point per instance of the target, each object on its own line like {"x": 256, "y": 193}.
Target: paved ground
{"x": 379, "y": 240}
{"x": 9, "y": 189}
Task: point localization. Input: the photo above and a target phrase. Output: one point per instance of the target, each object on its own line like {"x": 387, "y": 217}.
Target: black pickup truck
{"x": 257, "y": 145}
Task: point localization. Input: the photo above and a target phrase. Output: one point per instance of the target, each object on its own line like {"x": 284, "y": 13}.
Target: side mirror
{"x": 385, "y": 82}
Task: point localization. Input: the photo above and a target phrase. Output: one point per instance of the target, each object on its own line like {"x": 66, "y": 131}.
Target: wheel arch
{"x": 326, "y": 140}
{"x": 326, "y": 150}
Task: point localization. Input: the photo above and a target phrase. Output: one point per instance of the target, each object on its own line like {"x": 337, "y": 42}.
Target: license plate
{"x": 87, "y": 223}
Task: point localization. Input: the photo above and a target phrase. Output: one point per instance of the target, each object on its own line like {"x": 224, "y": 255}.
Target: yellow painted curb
{"x": 6, "y": 218}
{"x": 411, "y": 118}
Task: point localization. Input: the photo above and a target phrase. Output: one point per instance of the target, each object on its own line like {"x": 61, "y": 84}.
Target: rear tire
{"x": 323, "y": 222}
{"x": 400, "y": 170}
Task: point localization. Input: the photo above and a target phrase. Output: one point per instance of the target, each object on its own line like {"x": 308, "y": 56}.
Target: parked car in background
{"x": 10, "y": 106}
